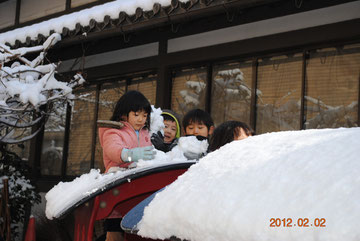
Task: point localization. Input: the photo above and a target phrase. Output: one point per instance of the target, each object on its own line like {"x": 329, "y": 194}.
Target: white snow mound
{"x": 233, "y": 193}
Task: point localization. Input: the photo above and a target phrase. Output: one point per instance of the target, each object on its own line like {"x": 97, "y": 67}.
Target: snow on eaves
{"x": 83, "y": 17}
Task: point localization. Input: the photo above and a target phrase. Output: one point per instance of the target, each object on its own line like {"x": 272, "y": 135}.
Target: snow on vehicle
{"x": 113, "y": 193}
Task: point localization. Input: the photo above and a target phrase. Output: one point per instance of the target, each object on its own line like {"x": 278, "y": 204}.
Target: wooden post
{"x": 255, "y": 64}
{"x": 5, "y": 211}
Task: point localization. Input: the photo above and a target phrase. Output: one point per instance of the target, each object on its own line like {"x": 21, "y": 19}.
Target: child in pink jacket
{"x": 129, "y": 142}
{"x": 126, "y": 142}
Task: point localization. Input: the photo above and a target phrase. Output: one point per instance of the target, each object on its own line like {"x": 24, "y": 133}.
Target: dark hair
{"x": 131, "y": 101}
{"x": 167, "y": 117}
{"x": 197, "y": 116}
{"x": 226, "y": 132}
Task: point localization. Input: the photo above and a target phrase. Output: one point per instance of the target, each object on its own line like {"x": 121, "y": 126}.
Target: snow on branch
{"x": 28, "y": 88}
{"x": 190, "y": 98}
{"x": 197, "y": 85}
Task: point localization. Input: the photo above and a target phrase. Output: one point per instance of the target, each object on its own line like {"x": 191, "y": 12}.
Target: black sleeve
{"x": 158, "y": 141}
{"x": 173, "y": 143}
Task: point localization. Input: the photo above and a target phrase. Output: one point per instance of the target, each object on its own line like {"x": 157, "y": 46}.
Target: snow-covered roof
{"x": 85, "y": 20}
{"x": 119, "y": 14}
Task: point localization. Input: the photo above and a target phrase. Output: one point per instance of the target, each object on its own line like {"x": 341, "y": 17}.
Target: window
{"x": 146, "y": 85}
{"x": 279, "y": 93}
{"x": 332, "y": 87}
{"x": 21, "y": 149}
{"x": 30, "y": 10}
{"x": 188, "y": 90}
{"x": 81, "y": 132}
{"x": 7, "y": 13}
{"x": 231, "y": 92}
{"x": 53, "y": 141}
{"x": 76, "y": 3}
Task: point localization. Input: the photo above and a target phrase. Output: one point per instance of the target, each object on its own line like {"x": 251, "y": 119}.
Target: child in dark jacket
{"x": 171, "y": 132}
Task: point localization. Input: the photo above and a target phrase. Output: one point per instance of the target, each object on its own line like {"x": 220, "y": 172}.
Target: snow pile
{"x": 187, "y": 144}
{"x": 83, "y": 17}
{"x": 156, "y": 121}
{"x": 81, "y": 187}
{"x": 191, "y": 144}
{"x": 232, "y": 193}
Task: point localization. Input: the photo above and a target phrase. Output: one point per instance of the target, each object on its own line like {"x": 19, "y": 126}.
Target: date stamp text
{"x": 299, "y": 222}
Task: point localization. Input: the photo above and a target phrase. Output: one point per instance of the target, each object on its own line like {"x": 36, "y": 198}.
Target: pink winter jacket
{"x": 113, "y": 141}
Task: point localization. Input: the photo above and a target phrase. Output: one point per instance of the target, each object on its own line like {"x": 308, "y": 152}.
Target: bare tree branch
{"x": 21, "y": 125}
{"x": 28, "y": 91}
{"x": 16, "y": 141}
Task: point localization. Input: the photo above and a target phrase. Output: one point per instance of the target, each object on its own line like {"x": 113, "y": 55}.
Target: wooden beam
{"x": 316, "y": 37}
{"x": 163, "y": 84}
{"x": 68, "y": 5}
{"x": 295, "y": 41}
{"x": 94, "y": 130}
{"x": 209, "y": 77}
{"x": 303, "y": 91}
{"x": 253, "y": 100}
{"x": 66, "y": 140}
{"x": 17, "y": 12}
{"x": 117, "y": 69}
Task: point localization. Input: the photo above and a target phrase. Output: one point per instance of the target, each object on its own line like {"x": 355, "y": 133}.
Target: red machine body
{"x": 121, "y": 196}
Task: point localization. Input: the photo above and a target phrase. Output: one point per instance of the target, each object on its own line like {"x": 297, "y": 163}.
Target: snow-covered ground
{"x": 236, "y": 191}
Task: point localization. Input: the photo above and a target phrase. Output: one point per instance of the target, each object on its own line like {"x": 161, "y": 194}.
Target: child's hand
{"x": 193, "y": 156}
{"x": 137, "y": 153}
{"x": 157, "y": 140}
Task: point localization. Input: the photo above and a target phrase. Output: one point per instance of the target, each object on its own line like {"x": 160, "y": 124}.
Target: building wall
{"x": 7, "y": 13}
{"x": 330, "y": 96}
{"x": 77, "y": 3}
{"x": 30, "y": 10}
{"x": 287, "y": 86}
